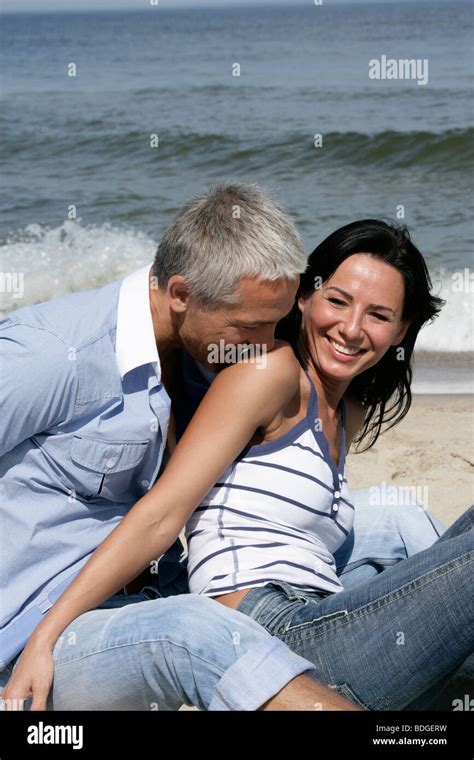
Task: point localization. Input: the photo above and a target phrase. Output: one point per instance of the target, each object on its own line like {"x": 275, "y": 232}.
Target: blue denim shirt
{"x": 82, "y": 439}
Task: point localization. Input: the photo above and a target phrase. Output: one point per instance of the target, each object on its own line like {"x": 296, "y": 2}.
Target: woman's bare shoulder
{"x": 272, "y": 375}
{"x": 278, "y": 365}
{"x": 282, "y": 356}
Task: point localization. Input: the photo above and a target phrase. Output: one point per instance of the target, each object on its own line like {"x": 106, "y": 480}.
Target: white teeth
{"x": 344, "y": 349}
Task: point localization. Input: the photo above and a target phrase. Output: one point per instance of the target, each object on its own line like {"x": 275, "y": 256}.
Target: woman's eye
{"x": 382, "y": 317}
{"x": 337, "y": 301}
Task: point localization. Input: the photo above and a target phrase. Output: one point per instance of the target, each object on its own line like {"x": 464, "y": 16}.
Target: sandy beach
{"x": 431, "y": 450}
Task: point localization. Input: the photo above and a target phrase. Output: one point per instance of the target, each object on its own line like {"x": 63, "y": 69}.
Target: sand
{"x": 431, "y": 450}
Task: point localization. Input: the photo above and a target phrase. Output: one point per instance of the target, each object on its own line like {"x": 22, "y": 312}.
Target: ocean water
{"x": 84, "y": 141}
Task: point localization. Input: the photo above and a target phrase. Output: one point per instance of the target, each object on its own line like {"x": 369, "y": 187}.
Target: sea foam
{"x": 75, "y": 257}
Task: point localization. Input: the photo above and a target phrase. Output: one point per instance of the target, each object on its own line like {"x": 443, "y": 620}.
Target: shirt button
{"x": 109, "y": 463}
{"x": 145, "y": 483}
{"x": 337, "y": 494}
{"x": 335, "y": 507}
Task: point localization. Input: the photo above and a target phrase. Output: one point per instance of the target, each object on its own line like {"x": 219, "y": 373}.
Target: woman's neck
{"x": 329, "y": 390}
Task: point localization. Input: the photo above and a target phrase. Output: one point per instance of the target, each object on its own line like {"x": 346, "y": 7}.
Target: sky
{"x": 78, "y": 5}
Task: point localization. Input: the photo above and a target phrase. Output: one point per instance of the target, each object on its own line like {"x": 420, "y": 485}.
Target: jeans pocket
{"x": 292, "y": 594}
{"x": 346, "y": 691}
{"x": 273, "y": 605}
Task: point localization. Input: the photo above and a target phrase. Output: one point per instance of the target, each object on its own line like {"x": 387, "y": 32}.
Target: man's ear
{"x": 178, "y": 293}
{"x": 401, "y": 333}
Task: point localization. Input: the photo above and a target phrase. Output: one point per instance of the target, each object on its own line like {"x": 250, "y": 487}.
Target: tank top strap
{"x": 313, "y": 416}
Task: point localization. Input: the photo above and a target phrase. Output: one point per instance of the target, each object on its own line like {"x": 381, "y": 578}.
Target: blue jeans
{"x": 390, "y": 642}
{"x": 383, "y": 534}
{"x": 164, "y": 647}
{"x": 157, "y": 651}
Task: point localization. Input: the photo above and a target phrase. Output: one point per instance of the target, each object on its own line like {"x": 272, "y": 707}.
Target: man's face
{"x": 251, "y": 321}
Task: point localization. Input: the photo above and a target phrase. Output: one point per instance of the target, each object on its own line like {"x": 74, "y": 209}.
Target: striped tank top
{"x": 279, "y": 512}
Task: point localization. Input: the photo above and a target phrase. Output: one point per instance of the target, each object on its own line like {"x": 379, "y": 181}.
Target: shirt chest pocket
{"x": 104, "y": 468}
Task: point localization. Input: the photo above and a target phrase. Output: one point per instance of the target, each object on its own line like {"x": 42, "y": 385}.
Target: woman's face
{"x": 354, "y": 317}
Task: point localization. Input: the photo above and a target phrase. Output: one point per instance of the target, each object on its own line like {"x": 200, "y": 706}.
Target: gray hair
{"x": 218, "y": 237}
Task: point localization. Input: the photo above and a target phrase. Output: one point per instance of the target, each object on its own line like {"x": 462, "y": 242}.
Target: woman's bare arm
{"x": 243, "y": 398}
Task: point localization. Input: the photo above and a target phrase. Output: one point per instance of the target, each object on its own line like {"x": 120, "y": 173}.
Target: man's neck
{"x": 206, "y": 373}
{"x": 167, "y": 338}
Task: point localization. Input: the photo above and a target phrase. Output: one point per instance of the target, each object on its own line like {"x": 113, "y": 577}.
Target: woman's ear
{"x": 401, "y": 333}
{"x": 302, "y": 303}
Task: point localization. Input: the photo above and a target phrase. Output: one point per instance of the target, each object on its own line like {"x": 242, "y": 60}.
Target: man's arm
{"x": 38, "y": 382}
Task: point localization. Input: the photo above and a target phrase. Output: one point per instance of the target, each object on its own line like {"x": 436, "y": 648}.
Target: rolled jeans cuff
{"x": 257, "y": 676}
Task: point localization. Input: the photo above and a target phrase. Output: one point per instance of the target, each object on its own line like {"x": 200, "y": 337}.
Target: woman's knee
{"x": 397, "y": 509}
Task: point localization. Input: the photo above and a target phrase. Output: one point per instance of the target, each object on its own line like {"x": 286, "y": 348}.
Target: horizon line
{"x": 235, "y": 4}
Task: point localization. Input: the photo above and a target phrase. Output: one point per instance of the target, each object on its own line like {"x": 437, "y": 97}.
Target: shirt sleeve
{"x": 38, "y": 382}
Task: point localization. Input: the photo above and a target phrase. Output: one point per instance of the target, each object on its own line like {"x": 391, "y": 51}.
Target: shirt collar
{"x": 135, "y": 342}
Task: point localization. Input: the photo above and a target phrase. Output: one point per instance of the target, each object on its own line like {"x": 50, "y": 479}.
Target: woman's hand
{"x": 32, "y": 677}
{"x": 241, "y": 399}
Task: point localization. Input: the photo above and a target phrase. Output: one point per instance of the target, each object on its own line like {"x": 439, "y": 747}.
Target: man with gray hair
{"x": 86, "y": 388}
{"x": 228, "y": 266}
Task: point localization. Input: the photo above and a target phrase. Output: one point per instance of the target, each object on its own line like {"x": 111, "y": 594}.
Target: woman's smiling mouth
{"x": 342, "y": 352}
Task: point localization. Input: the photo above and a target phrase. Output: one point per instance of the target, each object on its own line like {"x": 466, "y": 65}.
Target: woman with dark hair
{"x": 259, "y": 475}
{"x": 385, "y": 388}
